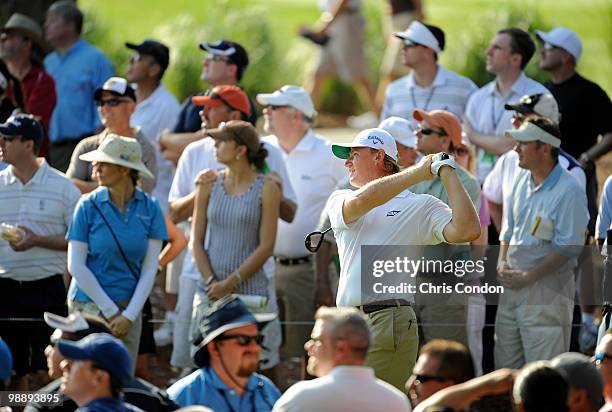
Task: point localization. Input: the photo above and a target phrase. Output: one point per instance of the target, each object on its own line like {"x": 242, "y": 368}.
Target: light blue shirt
{"x": 604, "y": 218}
{"x": 77, "y": 74}
{"x": 556, "y": 211}
{"x": 204, "y": 387}
{"x": 141, "y": 221}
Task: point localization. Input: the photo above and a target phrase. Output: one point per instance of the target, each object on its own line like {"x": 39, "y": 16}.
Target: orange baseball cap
{"x": 233, "y": 96}
{"x": 444, "y": 120}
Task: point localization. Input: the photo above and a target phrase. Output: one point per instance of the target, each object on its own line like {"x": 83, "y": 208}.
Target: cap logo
{"x": 375, "y": 139}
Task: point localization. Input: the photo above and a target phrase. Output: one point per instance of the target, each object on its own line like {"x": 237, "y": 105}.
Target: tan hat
{"x": 121, "y": 151}
{"x": 242, "y": 132}
{"x": 20, "y": 23}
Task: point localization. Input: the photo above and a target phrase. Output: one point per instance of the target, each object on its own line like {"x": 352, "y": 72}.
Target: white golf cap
{"x": 418, "y": 33}
{"x": 400, "y": 129}
{"x": 563, "y": 38}
{"x": 529, "y": 132}
{"x": 373, "y": 138}
{"x": 289, "y": 95}
{"x": 542, "y": 104}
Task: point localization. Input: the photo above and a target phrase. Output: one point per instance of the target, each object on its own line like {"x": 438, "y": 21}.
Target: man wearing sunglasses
{"x": 441, "y": 363}
{"x": 116, "y": 101}
{"x": 229, "y": 345}
{"x": 428, "y": 86}
{"x": 337, "y": 350}
{"x": 225, "y": 63}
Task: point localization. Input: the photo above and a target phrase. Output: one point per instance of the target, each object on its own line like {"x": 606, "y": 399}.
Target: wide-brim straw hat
{"x": 121, "y": 151}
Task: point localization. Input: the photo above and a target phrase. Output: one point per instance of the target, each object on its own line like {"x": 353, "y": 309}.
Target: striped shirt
{"x": 486, "y": 113}
{"x": 44, "y": 205}
{"x": 449, "y": 91}
{"x": 233, "y": 226}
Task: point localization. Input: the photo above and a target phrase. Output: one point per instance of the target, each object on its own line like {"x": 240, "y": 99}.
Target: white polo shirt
{"x": 486, "y": 114}
{"x": 157, "y": 112}
{"x": 314, "y": 172}
{"x": 407, "y": 219}
{"x": 44, "y": 205}
{"x": 449, "y": 91}
{"x": 200, "y": 155}
{"x": 344, "y": 388}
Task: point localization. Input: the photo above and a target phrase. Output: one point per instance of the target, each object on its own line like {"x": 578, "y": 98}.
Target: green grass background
{"x": 133, "y": 20}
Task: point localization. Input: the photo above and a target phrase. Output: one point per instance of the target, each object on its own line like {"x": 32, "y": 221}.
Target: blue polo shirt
{"x": 77, "y": 74}
{"x": 142, "y": 220}
{"x": 203, "y": 387}
{"x": 556, "y": 210}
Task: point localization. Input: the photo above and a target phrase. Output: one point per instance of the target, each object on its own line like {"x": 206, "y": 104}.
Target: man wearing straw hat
{"x": 22, "y": 48}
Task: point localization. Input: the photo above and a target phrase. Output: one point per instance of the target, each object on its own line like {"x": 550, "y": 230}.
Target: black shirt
{"x": 136, "y": 392}
{"x": 586, "y": 112}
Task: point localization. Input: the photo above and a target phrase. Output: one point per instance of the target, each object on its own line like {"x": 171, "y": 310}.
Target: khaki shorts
{"x": 393, "y": 61}
{"x": 344, "y": 55}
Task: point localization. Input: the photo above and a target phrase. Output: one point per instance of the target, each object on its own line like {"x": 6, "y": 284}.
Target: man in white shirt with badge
{"x": 314, "y": 174}
{"x": 429, "y": 86}
{"x": 383, "y": 212}
{"x": 486, "y": 118}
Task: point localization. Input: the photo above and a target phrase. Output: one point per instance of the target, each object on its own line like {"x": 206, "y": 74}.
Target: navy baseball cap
{"x": 232, "y": 50}
{"x": 155, "y": 49}
{"x": 106, "y": 351}
{"x": 23, "y": 125}
{"x": 225, "y": 314}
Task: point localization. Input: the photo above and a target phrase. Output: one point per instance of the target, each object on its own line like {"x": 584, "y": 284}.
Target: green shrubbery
{"x": 272, "y": 67}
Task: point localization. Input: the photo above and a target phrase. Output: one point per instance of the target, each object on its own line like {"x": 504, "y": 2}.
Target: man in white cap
{"x": 486, "y": 119}
{"x": 383, "y": 212}
{"x": 314, "y": 174}
{"x": 116, "y": 101}
{"x": 586, "y": 110}
{"x": 22, "y": 48}
{"x": 429, "y": 86}
{"x": 538, "y": 249}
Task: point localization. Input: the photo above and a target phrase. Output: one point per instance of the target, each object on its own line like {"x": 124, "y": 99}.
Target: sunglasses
{"x": 426, "y": 378}
{"x": 410, "y": 45}
{"x": 243, "y": 340}
{"x": 548, "y": 46}
{"x": 111, "y": 102}
{"x": 426, "y": 131}
{"x": 216, "y": 58}
{"x": 275, "y": 108}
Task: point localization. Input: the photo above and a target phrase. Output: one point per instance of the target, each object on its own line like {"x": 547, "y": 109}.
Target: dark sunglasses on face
{"x": 426, "y": 378}
{"x": 426, "y": 131}
{"x": 111, "y": 102}
{"x": 243, "y": 340}
{"x": 410, "y": 45}
{"x": 216, "y": 58}
{"x": 275, "y": 108}
{"x": 548, "y": 46}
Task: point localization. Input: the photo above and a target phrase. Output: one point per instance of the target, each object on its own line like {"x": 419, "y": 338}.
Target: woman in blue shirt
{"x": 114, "y": 241}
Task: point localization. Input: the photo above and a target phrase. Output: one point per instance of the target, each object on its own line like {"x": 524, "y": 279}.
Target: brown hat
{"x": 442, "y": 119}
{"x": 242, "y": 132}
{"x": 232, "y": 96}
{"x": 22, "y": 24}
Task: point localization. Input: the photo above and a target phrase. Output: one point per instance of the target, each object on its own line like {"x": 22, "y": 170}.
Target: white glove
{"x": 439, "y": 160}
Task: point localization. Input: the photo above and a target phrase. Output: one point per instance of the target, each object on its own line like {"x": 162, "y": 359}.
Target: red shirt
{"x": 39, "y": 97}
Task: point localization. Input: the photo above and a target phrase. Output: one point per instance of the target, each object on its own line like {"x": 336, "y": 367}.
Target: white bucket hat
{"x": 121, "y": 151}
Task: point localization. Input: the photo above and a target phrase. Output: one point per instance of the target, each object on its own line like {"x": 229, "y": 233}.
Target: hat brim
{"x": 272, "y": 99}
{"x": 9, "y": 130}
{"x": 98, "y": 156}
{"x": 342, "y": 151}
{"x": 206, "y": 101}
{"x": 220, "y": 134}
{"x": 73, "y": 323}
{"x": 72, "y": 350}
{"x": 521, "y": 108}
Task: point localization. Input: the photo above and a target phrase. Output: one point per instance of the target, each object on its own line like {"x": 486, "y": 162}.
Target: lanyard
{"x": 414, "y": 103}
{"x": 496, "y": 119}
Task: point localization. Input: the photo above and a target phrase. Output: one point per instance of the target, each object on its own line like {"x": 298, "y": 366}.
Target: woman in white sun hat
{"x": 114, "y": 241}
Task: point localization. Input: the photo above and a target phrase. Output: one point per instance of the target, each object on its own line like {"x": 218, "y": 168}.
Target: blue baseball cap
{"x": 106, "y": 351}
{"x": 23, "y": 125}
{"x": 6, "y": 361}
